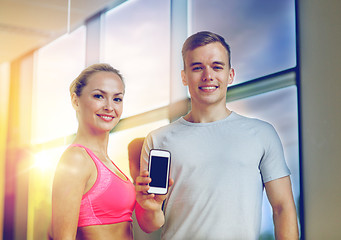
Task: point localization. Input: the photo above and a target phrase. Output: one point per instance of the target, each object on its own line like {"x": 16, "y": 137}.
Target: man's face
{"x": 207, "y": 74}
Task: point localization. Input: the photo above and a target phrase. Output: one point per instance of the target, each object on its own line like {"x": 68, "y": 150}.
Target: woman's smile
{"x": 105, "y": 117}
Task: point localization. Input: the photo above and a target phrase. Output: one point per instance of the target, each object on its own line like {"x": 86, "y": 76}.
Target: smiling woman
{"x": 97, "y": 97}
{"x": 94, "y": 208}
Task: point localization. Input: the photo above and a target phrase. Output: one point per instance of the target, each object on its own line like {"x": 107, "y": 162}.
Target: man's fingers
{"x": 140, "y": 180}
{"x": 142, "y": 188}
{"x": 144, "y": 173}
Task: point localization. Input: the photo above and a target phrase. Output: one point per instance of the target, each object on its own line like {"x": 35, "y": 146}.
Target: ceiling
{"x": 26, "y": 25}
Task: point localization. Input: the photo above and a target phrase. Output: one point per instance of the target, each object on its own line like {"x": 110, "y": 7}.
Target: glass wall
{"x": 40, "y": 191}
{"x": 53, "y": 121}
{"x": 136, "y": 40}
{"x": 261, "y": 33}
{"x": 56, "y": 65}
{"x": 4, "y": 101}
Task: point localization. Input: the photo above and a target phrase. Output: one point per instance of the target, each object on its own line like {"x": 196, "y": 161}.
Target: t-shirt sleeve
{"x": 272, "y": 165}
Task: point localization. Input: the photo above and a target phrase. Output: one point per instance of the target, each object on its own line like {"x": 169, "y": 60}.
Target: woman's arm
{"x": 72, "y": 174}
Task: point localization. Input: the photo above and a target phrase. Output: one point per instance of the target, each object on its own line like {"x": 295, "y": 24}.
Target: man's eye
{"x": 118, "y": 99}
{"x": 196, "y": 68}
{"x": 99, "y": 96}
{"x": 217, "y": 68}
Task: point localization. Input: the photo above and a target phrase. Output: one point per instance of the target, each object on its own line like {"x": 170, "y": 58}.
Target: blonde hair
{"x": 81, "y": 81}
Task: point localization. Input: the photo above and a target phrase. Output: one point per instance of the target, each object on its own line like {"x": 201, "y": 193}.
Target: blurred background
{"x": 285, "y": 54}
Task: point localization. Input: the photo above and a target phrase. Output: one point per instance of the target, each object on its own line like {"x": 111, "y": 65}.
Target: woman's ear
{"x": 183, "y": 77}
{"x": 74, "y": 101}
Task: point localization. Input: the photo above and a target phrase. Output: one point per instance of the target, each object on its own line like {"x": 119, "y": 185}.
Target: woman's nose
{"x": 109, "y": 106}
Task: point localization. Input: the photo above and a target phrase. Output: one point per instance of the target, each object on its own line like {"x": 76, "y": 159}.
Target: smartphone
{"x": 159, "y": 165}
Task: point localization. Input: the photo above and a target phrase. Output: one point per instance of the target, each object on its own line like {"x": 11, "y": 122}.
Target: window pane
{"x": 261, "y": 33}
{"x": 40, "y": 192}
{"x": 280, "y": 109}
{"x": 137, "y": 42}
{"x": 4, "y": 103}
{"x": 57, "y": 64}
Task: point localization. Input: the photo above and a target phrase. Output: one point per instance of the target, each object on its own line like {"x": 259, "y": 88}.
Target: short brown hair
{"x": 203, "y": 38}
{"x": 81, "y": 81}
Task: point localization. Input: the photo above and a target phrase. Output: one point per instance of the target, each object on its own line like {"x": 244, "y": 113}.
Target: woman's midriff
{"x": 123, "y": 230}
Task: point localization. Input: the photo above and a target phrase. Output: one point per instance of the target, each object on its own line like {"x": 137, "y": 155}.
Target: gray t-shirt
{"x": 218, "y": 169}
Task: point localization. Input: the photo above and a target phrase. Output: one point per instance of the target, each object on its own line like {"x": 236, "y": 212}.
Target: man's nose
{"x": 207, "y": 74}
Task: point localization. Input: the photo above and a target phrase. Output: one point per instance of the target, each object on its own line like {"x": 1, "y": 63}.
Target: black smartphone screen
{"x": 158, "y": 171}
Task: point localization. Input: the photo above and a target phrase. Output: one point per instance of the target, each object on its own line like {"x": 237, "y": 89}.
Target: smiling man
{"x": 207, "y": 74}
{"x": 221, "y": 161}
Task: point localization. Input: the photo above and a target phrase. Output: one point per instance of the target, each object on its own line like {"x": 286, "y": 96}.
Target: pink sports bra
{"x": 110, "y": 200}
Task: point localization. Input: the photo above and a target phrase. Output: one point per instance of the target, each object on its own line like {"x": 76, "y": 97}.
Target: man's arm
{"x": 148, "y": 209}
{"x": 284, "y": 212}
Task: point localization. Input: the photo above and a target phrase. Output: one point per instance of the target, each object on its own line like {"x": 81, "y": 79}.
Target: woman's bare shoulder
{"x": 75, "y": 160}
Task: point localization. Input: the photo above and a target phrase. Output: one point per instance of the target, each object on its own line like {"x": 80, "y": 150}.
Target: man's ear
{"x": 183, "y": 77}
{"x": 74, "y": 101}
{"x": 231, "y": 76}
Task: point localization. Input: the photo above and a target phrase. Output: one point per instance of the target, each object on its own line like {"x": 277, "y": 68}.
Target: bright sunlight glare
{"x": 43, "y": 162}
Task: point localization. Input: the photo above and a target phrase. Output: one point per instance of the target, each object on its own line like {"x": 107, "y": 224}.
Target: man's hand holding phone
{"x": 152, "y": 186}
{"x": 148, "y": 209}
{"x": 149, "y": 204}
{"x": 149, "y": 201}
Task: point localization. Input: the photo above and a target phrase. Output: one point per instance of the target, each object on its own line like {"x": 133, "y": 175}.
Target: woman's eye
{"x": 118, "y": 99}
{"x": 99, "y": 96}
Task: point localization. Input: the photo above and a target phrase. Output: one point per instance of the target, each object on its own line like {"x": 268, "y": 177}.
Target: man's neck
{"x": 207, "y": 115}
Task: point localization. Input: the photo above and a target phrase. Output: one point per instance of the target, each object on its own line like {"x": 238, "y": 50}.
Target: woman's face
{"x": 100, "y": 105}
